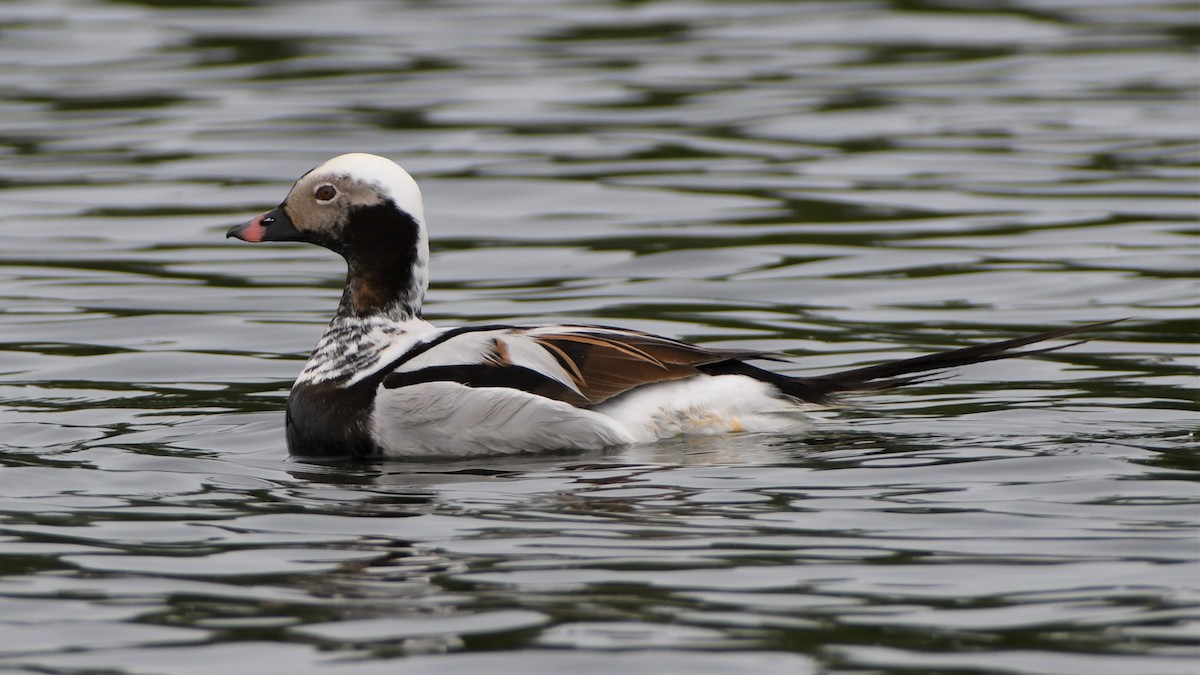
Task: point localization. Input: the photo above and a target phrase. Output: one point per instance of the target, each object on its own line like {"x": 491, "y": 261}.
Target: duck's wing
{"x": 581, "y": 365}
{"x": 586, "y": 365}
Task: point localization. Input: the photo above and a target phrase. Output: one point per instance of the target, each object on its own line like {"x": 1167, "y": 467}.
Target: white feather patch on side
{"x": 705, "y": 405}
{"x": 475, "y": 347}
{"x": 447, "y": 419}
{"x": 464, "y": 349}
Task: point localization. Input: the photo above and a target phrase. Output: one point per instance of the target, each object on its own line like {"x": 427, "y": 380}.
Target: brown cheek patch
{"x": 311, "y": 216}
{"x": 304, "y": 215}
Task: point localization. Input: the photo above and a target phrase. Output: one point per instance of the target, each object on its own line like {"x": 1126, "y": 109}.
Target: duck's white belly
{"x": 447, "y": 419}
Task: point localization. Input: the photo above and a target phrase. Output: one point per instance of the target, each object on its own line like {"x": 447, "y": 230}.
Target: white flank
{"x": 447, "y": 419}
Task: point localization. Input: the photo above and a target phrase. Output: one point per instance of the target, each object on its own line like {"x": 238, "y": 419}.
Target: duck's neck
{"x": 387, "y": 263}
{"x": 396, "y": 297}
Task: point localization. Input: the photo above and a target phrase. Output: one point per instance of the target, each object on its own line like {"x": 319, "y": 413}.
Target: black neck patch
{"x": 380, "y": 245}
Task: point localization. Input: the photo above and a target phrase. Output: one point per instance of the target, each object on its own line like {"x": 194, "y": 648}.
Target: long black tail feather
{"x": 824, "y": 388}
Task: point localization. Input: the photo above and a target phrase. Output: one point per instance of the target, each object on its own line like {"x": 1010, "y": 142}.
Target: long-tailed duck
{"x": 382, "y": 381}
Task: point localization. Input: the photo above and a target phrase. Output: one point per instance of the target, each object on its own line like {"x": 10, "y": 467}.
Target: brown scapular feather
{"x": 605, "y": 364}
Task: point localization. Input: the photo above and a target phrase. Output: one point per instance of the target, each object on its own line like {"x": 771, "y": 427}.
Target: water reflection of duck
{"x": 383, "y": 381}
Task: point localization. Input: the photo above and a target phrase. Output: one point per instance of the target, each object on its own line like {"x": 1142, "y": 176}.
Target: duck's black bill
{"x": 274, "y": 225}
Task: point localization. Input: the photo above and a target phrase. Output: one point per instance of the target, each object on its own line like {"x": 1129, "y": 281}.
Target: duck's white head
{"x": 367, "y": 209}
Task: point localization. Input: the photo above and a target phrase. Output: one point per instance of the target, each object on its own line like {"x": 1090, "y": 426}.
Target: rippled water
{"x": 847, "y": 181}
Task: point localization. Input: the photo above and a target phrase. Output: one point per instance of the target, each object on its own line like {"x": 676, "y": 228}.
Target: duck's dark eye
{"x": 325, "y": 193}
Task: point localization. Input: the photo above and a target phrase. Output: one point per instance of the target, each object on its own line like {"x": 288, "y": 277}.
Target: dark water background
{"x": 848, "y": 181}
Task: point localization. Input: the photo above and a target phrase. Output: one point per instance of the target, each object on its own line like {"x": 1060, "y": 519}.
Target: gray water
{"x": 847, "y": 181}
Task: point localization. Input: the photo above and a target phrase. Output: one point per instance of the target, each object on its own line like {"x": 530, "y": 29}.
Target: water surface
{"x": 848, "y": 182}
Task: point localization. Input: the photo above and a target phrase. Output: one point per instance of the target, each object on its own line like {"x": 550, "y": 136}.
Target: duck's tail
{"x": 824, "y": 389}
